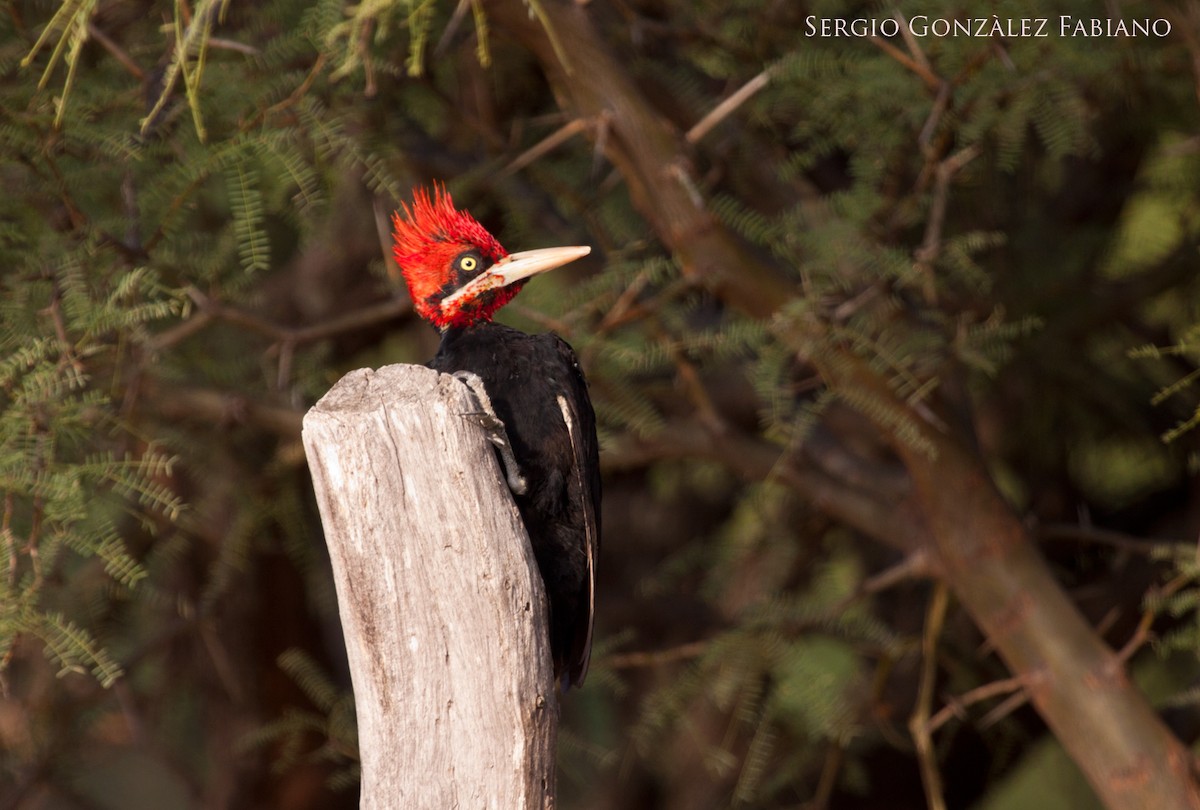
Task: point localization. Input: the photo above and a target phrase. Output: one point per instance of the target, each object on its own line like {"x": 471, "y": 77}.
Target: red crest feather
{"x": 429, "y": 235}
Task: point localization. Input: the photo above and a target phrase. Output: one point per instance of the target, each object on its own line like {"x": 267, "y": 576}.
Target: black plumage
{"x": 538, "y": 390}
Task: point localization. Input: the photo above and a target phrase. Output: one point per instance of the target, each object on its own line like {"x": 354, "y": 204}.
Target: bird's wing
{"x": 581, "y": 421}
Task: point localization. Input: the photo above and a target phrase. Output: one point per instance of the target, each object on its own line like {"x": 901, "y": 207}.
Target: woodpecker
{"x": 533, "y": 392}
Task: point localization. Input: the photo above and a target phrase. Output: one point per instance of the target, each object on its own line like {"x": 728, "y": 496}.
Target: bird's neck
{"x": 477, "y": 333}
{"x": 450, "y": 330}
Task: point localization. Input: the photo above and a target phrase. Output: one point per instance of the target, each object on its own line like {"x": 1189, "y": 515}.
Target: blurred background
{"x": 836, "y": 282}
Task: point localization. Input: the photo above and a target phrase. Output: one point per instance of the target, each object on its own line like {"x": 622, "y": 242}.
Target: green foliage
{"x": 246, "y": 204}
{"x": 1161, "y": 220}
{"x": 989, "y": 224}
{"x": 1175, "y": 603}
{"x": 74, "y": 477}
{"x": 331, "y": 719}
{"x": 69, "y": 24}
{"x": 123, "y": 219}
{"x": 917, "y": 290}
{"x": 791, "y": 676}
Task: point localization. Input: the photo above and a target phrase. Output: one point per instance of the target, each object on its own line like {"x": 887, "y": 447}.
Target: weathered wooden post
{"x": 440, "y": 597}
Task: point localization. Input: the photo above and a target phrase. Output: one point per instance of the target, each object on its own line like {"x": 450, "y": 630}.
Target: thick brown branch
{"x": 646, "y": 150}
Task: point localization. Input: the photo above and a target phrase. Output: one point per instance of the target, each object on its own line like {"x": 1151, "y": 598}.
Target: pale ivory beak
{"x": 531, "y": 262}
{"x": 516, "y": 267}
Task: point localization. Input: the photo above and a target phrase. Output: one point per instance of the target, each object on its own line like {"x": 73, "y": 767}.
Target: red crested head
{"x": 437, "y": 247}
{"x": 457, "y": 273}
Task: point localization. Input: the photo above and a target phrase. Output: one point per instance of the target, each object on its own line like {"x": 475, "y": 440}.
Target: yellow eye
{"x": 468, "y": 263}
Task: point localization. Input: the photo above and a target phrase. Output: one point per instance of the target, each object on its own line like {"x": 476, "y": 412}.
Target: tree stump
{"x": 441, "y": 601}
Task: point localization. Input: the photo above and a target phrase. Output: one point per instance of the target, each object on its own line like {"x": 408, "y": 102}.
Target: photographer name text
{"x": 1011, "y": 28}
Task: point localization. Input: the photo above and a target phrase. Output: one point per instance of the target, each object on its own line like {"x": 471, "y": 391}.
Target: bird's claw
{"x": 493, "y": 426}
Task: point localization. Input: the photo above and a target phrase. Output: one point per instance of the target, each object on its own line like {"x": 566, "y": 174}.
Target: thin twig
{"x": 636, "y": 311}
{"x": 383, "y": 231}
{"x": 33, "y": 541}
{"x": 547, "y": 144}
{"x": 1052, "y": 532}
{"x": 654, "y": 658}
{"x": 723, "y": 110}
{"x": 10, "y": 539}
{"x": 848, "y": 308}
{"x": 74, "y": 212}
{"x": 460, "y": 13}
{"x": 919, "y": 723}
{"x": 624, "y": 302}
{"x": 1004, "y": 710}
{"x": 827, "y": 782}
{"x": 931, "y": 246}
{"x": 295, "y": 96}
{"x": 1141, "y": 633}
{"x": 603, "y": 127}
{"x": 116, "y": 51}
{"x": 928, "y": 76}
{"x": 60, "y": 329}
{"x": 910, "y": 40}
{"x": 209, "y": 310}
{"x": 287, "y": 353}
{"x": 368, "y": 62}
{"x": 181, "y": 332}
{"x": 914, "y": 565}
{"x": 220, "y": 43}
{"x": 209, "y": 406}
{"x": 956, "y": 706}
{"x": 706, "y": 412}
{"x": 940, "y": 104}
{"x": 557, "y": 325}
{"x": 367, "y": 316}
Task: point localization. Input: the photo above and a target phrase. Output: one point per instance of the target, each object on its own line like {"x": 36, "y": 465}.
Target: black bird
{"x": 458, "y": 276}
